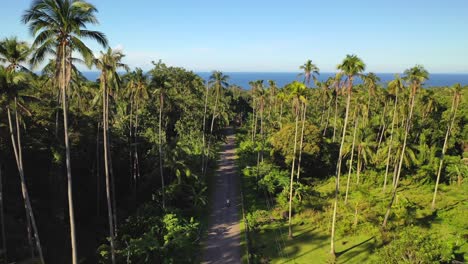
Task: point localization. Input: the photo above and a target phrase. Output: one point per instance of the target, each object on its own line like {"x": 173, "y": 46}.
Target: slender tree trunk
{"x": 444, "y": 148}
{"x": 352, "y": 156}
{"x": 327, "y": 120}
{"x": 337, "y": 185}
{"x": 136, "y": 167}
{"x": 304, "y": 109}
{"x": 358, "y": 171}
{"x": 106, "y": 167}
{"x": 334, "y": 120}
{"x": 161, "y": 171}
{"x": 408, "y": 124}
{"x": 98, "y": 175}
{"x": 382, "y": 127}
{"x": 290, "y": 235}
{"x": 17, "y": 149}
{"x": 130, "y": 149}
{"x": 111, "y": 167}
{"x": 391, "y": 140}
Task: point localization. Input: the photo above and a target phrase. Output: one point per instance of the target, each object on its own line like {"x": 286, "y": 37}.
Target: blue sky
{"x": 260, "y": 35}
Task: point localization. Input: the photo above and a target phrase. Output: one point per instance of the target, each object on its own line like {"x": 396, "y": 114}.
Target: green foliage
{"x": 283, "y": 141}
{"x": 416, "y": 245}
{"x": 149, "y": 237}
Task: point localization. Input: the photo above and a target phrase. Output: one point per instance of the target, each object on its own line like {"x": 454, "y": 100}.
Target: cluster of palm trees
{"x": 59, "y": 28}
{"x": 382, "y": 121}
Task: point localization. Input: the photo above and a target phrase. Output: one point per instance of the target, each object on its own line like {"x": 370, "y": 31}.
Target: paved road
{"x": 222, "y": 244}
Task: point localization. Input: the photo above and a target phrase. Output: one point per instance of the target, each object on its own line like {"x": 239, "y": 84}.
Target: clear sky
{"x": 261, "y": 35}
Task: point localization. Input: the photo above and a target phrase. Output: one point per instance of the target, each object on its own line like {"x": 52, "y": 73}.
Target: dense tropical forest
{"x": 120, "y": 169}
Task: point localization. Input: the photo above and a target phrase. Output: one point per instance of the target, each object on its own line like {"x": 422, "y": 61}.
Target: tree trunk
{"x": 161, "y": 171}
{"x": 304, "y": 109}
{"x": 391, "y": 140}
{"x": 17, "y": 149}
{"x": 71, "y": 210}
{"x": 337, "y": 185}
{"x": 408, "y": 124}
{"x": 111, "y": 167}
{"x": 352, "y": 156}
{"x": 327, "y": 120}
{"x": 444, "y": 148}
{"x": 334, "y": 120}
{"x": 290, "y": 235}
{"x": 106, "y": 165}
{"x": 358, "y": 169}
{"x": 98, "y": 175}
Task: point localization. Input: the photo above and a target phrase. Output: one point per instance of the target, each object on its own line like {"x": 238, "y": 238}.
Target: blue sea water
{"x": 242, "y": 79}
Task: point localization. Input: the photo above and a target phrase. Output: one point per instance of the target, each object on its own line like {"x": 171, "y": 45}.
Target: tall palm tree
{"x": 351, "y": 66}
{"x": 108, "y": 63}
{"x": 137, "y": 90}
{"x": 395, "y": 86}
{"x": 310, "y": 70}
{"x": 161, "y": 85}
{"x": 58, "y": 27}
{"x": 415, "y": 77}
{"x": 14, "y": 53}
{"x": 273, "y": 90}
{"x": 453, "y": 115}
{"x": 370, "y": 81}
{"x": 297, "y": 93}
{"x": 218, "y": 82}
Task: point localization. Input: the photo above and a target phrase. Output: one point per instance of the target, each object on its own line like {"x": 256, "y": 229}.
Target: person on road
{"x": 228, "y": 203}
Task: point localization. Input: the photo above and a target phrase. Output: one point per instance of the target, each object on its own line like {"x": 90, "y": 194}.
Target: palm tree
{"x": 273, "y": 90}
{"x": 161, "y": 85}
{"x": 351, "y": 66}
{"x": 310, "y": 70}
{"x": 218, "y": 82}
{"x": 356, "y": 122}
{"x": 415, "y": 77}
{"x": 59, "y": 26}
{"x": 298, "y": 91}
{"x": 370, "y": 81}
{"x": 108, "y": 64}
{"x": 453, "y": 115}
{"x": 14, "y": 53}
{"x": 394, "y": 86}
{"x": 281, "y": 97}
{"x": 336, "y": 83}
{"x": 137, "y": 88}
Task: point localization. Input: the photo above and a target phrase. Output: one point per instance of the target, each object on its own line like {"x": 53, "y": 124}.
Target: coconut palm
{"x": 451, "y": 121}
{"x": 58, "y": 27}
{"x": 415, "y": 76}
{"x": 310, "y": 70}
{"x": 14, "y": 53}
{"x": 108, "y": 63}
{"x": 394, "y": 86}
{"x": 351, "y": 67}
{"x": 370, "y": 81}
{"x": 137, "y": 91}
{"x": 297, "y": 94}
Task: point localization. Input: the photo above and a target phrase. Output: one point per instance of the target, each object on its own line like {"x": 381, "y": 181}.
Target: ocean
{"x": 242, "y": 79}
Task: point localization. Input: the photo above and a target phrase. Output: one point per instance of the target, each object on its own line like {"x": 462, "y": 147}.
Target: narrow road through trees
{"x": 222, "y": 244}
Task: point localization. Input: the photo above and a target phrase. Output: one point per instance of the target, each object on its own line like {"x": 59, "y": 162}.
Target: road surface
{"x": 222, "y": 244}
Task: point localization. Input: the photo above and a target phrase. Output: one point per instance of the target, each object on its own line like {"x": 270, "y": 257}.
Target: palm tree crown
{"x": 62, "y": 23}
{"x": 14, "y": 53}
